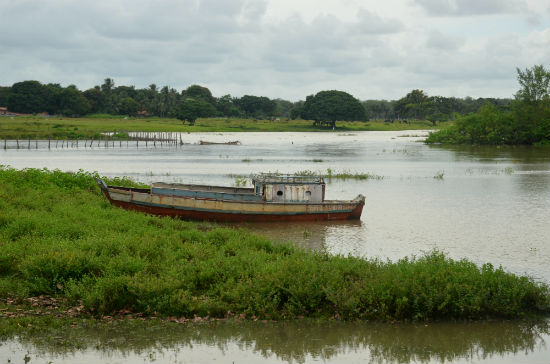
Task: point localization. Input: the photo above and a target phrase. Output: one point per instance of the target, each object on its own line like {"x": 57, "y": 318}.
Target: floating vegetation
{"x": 344, "y": 174}
{"x": 240, "y": 182}
{"x": 404, "y": 151}
{"x": 486, "y": 170}
{"x": 248, "y": 160}
{"x": 317, "y": 160}
{"x": 439, "y": 175}
{"x": 329, "y": 174}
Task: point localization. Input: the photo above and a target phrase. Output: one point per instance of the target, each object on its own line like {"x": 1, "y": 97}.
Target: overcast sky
{"x": 286, "y": 49}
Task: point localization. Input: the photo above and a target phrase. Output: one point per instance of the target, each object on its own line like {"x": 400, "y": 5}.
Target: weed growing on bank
{"x": 60, "y": 237}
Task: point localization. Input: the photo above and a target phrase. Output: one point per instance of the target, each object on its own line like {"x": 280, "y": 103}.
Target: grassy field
{"x": 25, "y": 127}
{"x": 61, "y": 240}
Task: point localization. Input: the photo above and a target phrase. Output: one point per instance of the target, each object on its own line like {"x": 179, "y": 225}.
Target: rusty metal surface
{"x": 205, "y": 209}
{"x": 229, "y": 217}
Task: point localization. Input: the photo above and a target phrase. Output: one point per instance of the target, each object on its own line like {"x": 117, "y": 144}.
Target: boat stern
{"x": 358, "y": 210}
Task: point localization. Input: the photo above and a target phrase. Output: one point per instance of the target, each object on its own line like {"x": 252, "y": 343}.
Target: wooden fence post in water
{"x": 17, "y": 141}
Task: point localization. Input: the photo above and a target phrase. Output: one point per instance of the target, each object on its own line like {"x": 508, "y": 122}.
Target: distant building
{"x": 4, "y": 112}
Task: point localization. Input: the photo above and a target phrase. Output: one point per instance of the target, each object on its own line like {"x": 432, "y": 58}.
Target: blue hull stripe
{"x": 206, "y": 195}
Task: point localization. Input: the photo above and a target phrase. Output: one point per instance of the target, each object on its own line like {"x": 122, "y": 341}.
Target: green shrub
{"x": 59, "y": 237}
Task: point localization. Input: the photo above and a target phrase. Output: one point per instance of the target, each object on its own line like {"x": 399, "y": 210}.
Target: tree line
{"x": 525, "y": 121}
{"x": 324, "y": 108}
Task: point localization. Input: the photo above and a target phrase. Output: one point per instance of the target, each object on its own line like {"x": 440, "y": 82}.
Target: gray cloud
{"x": 470, "y": 7}
{"x": 438, "y": 40}
{"x": 234, "y": 47}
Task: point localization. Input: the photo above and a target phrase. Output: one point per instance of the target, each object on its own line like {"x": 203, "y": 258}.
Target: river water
{"x": 486, "y": 204}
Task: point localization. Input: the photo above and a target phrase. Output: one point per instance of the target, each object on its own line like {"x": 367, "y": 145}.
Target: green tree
{"x": 28, "y": 97}
{"x": 535, "y": 84}
{"x": 378, "y": 109}
{"x": 95, "y": 99}
{"x": 109, "y": 99}
{"x": 412, "y": 106}
{"x": 527, "y": 123}
{"x": 129, "y": 106}
{"x": 4, "y": 93}
{"x": 72, "y": 102}
{"x": 282, "y": 108}
{"x": 190, "y": 110}
{"x": 331, "y": 106}
{"x": 227, "y": 107}
{"x": 532, "y": 105}
{"x": 297, "y": 110}
{"x": 198, "y": 92}
{"x": 256, "y": 106}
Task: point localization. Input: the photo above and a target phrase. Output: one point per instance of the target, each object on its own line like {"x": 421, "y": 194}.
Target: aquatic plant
{"x": 240, "y": 182}
{"x": 439, "y": 175}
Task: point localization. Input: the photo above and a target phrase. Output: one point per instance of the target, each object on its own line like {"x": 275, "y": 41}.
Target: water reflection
{"x": 299, "y": 342}
{"x": 310, "y": 235}
{"x": 517, "y": 154}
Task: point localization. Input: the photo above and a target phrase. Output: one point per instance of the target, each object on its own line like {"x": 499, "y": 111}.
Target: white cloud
{"x": 279, "y": 48}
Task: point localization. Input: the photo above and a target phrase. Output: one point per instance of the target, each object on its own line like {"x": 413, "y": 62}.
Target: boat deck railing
{"x": 287, "y": 178}
{"x": 202, "y": 188}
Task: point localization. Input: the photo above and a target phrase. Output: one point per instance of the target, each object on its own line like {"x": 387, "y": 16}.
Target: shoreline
{"x": 34, "y": 127}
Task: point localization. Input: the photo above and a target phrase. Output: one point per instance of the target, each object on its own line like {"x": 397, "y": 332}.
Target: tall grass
{"x": 60, "y": 237}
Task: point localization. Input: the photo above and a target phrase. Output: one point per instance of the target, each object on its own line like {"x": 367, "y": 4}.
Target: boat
{"x": 204, "y": 142}
{"x": 272, "y": 198}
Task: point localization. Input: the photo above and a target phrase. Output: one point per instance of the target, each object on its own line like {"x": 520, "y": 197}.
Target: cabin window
{"x": 279, "y": 193}
{"x": 308, "y": 194}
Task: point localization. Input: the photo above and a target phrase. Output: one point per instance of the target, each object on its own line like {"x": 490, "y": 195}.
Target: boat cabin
{"x": 267, "y": 188}
{"x": 289, "y": 188}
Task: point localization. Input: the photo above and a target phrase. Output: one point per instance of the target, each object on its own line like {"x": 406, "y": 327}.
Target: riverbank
{"x": 61, "y": 239}
{"x": 36, "y": 127}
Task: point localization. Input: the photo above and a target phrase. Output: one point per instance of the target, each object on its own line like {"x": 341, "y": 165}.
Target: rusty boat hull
{"x": 224, "y": 204}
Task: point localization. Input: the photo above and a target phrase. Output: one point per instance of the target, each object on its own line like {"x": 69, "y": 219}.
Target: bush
{"x": 59, "y": 237}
